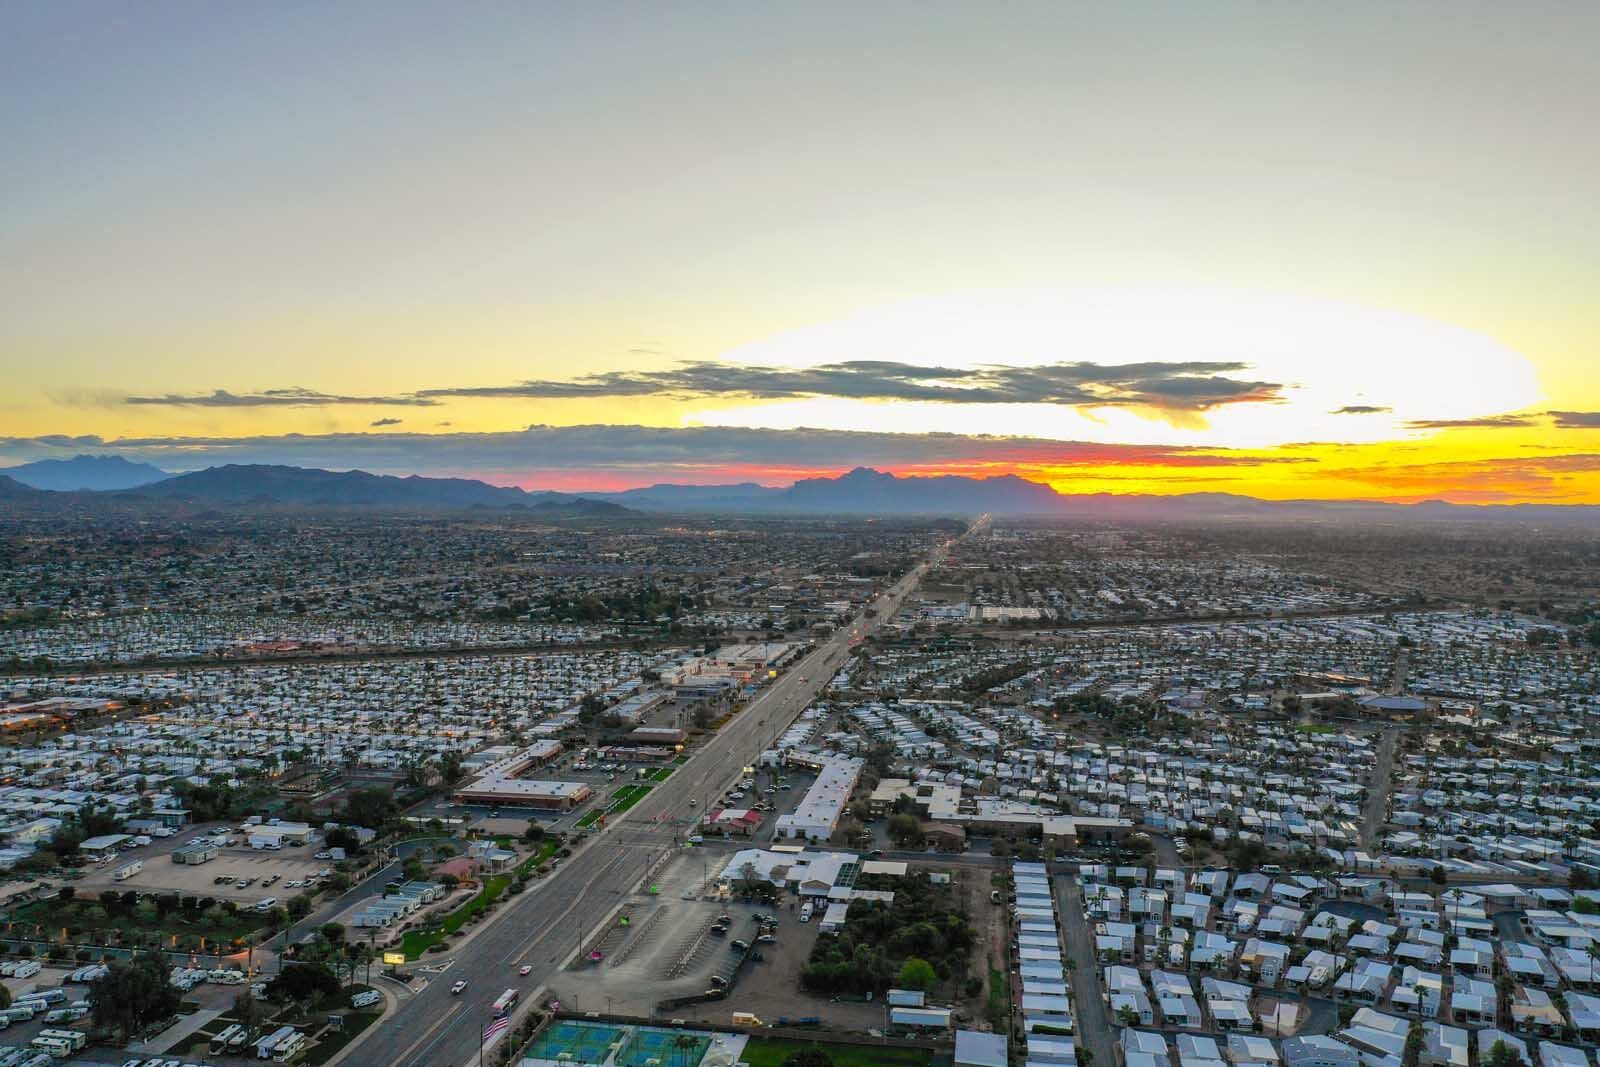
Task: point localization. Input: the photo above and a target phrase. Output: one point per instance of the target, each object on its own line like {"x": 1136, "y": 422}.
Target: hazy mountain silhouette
{"x": 862, "y": 491}
{"x": 865, "y": 491}
{"x": 10, "y": 487}
{"x": 85, "y": 472}
{"x": 253, "y": 484}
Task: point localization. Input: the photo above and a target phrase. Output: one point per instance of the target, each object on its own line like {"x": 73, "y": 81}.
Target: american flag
{"x": 496, "y": 1028}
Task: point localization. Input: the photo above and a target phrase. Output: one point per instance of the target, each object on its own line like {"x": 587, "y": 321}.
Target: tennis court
{"x": 650, "y": 1046}
{"x": 572, "y": 1042}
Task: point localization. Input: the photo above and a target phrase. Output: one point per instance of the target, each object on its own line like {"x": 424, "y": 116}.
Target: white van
{"x": 805, "y": 912}
{"x": 267, "y": 904}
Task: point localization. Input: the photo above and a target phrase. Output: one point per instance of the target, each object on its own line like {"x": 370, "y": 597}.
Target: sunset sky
{"x": 1343, "y": 250}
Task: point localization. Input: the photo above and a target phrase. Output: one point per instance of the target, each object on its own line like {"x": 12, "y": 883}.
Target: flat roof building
{"x": 817, "y": 815}
{"x": 526, "y": 793}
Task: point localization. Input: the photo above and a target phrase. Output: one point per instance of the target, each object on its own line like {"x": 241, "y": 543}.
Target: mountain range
{"x": 865, "y": 491}
{"x": 862, "y": 491}
{"x": 259, "y": 485}
{"x": 85, "y": 472}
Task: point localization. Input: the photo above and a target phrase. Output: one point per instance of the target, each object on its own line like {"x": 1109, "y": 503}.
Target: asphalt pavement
{"x": 545, "y": 926}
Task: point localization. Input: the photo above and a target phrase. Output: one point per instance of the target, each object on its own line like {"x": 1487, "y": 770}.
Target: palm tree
{"x": 683, "y": 1046}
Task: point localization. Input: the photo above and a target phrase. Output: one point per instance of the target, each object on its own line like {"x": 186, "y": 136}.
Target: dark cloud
{"x": 1182, "y": 386}
{"x": 221, "y": 398}
{"x": 1360, "y": 409}
{"x": 1576, "y": 420}
{"x": 385, "y": 422}
{"x": 1490, "y": 422}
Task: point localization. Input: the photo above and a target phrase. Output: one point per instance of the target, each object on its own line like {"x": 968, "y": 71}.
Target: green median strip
{"x": 417, "y": 942}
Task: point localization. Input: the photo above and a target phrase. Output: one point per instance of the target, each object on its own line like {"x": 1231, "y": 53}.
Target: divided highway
{"x": 544, "y": 927}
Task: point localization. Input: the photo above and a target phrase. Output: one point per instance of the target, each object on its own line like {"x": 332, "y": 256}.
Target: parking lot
{"x": 669, "y": 948}
{"x": 277, "y": 874}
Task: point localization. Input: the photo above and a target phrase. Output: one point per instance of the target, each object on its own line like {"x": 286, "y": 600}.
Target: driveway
{"x": 1093, "y": 1025}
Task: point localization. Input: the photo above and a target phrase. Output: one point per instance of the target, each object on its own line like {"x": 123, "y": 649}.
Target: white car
{"x": 456, "y": 989}
{"x": 525, "y": 970}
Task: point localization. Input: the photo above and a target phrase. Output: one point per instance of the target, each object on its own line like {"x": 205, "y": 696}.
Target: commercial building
{"x": 525, "y": 793}
{"x": 817, "y": 815}
{"x": 501, "y": 782}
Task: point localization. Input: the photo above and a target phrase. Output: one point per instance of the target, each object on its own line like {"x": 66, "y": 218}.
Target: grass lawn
{"x": 999, "y": 1000}
{"x": 416, "y": 942}
{"x": 767, "y": 1052}
{"x": 621, "y": 801}
{"x": 332, "y": 1041}
{"x": 660, "y": 774}
{"x": 635, "y": 793}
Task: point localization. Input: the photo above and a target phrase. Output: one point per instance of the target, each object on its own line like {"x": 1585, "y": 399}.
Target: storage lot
{"x": 162, "y": 875}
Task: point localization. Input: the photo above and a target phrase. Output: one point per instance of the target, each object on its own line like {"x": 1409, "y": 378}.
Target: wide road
{"x": 546, "y": 925}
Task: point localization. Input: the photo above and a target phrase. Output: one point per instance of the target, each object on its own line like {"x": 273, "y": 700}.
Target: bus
{"x": 504, "y": 1003}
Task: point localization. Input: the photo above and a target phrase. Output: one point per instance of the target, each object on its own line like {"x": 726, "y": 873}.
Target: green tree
{"x": 1412, "y": 1051}
{"x": 905, "y": 829}
{"x": 1502, "y": 1055}
{"x": 303, "y": 982}
{"x": 917, "y": 973}
{"x": 248, "y": 1011}
{"x": 371, "y": 808}
{"x": 132, "y": 995}
{"x": 450, "y": 768}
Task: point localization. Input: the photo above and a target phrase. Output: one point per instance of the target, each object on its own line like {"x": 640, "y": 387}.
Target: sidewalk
{"x": 173, "y": 1036}
{"x": 389, "y": 1005}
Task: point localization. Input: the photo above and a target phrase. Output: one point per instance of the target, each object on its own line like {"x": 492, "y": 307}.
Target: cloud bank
{"x": 273, "y": 398}
{"x": 1189, "y": 386}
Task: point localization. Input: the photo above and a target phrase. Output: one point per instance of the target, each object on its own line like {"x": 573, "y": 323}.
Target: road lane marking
{"x": 452, "y": 1013}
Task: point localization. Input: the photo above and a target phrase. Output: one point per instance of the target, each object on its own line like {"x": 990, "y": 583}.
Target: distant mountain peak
{"x": 85, "y": 471}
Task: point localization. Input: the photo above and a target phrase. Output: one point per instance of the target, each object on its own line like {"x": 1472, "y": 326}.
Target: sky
{"x": 1334, "y": 251}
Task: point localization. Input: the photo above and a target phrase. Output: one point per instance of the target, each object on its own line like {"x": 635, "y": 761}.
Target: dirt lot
{"x": 991, "y": 934}
{"x": 161, "y": 875}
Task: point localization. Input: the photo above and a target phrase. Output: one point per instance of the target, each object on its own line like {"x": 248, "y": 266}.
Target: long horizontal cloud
{"x": 1479, "y": 480}
{"x": 638, "y": 450}
{"x": 1486, "y": 422}
{"x": 274, "y": 398}
{"x": 1185, "y": 386}
{"x": 1360, "y": 409}
{"x": 1576, "y": 420}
